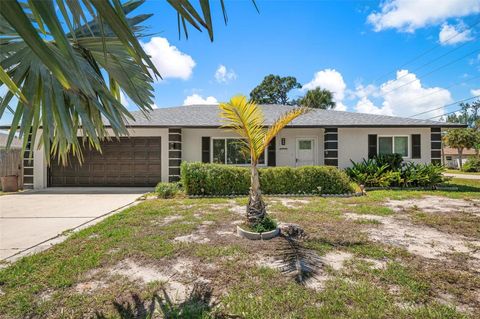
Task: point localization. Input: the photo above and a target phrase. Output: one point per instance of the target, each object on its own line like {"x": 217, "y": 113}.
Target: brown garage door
{"x": 132, "y": 161}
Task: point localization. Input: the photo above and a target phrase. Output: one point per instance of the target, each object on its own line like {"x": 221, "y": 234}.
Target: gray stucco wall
{"x": 353, "y": 143}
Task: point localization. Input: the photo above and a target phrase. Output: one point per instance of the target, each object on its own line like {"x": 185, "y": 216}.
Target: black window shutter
{"x": 416, "y": 146}
{"x": 205, "y": 149}
{"x": 372, "y": 145}
{"x": 272, "y": 156}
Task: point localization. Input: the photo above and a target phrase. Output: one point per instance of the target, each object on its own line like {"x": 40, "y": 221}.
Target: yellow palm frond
{"x": 283, "y": 121}
{"x": 247, "y": 120}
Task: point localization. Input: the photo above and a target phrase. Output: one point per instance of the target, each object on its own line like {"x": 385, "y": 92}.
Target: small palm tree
{"x": 247, "y": 120}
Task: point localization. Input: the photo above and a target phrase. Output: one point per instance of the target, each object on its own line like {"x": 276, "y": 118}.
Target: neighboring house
{"x": 452, "y": 159}
{"x": 11, "y": 159}
{"x": 159, "y": 144}
{"x": 16, "y": 143}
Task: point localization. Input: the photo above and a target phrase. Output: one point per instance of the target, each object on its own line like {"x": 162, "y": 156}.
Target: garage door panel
{"x": 128, "y": 162}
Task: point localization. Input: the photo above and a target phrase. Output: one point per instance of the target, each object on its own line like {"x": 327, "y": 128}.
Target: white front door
{"x": 305, "y": 151}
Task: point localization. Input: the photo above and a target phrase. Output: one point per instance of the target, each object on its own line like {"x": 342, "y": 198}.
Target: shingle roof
{"x": 454, "y": 151}
{"x": 208, "y": 116}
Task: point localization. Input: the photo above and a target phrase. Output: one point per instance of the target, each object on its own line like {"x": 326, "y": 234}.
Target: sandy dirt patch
{"x": 292, "y": 203}
{"x": 239, "y": 210}
{"x": 198, "y": 236}
{"x": 178, "y": 276}
{"x": 436, "y": 204}
{"x": 90, "y": 286}
{"x": 170, "y": 219}
{"x": 420, "y": 240}
{"x": 336, "y": 259}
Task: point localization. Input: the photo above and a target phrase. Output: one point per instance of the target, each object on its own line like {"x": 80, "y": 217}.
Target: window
{"x": 393, "y": 144}
{"x": 229, "y": 151}
{"x": 305, "y": 145}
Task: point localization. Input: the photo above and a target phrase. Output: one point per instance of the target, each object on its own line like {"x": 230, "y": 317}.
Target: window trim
{"x": 265, "y": 154}
{"x": 409, "y": 144}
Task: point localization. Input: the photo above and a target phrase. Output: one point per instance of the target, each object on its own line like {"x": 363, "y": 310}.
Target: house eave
{"x": 446, "y": 126}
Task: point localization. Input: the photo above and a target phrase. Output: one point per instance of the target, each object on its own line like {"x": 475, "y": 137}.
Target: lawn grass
{"x": 237, "y": 281}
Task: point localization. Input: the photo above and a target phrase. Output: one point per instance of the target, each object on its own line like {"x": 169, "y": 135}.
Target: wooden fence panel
{"x": 11, "y": 164}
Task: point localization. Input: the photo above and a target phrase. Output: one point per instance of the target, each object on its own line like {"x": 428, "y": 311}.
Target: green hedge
{"x": 218, "y": 179}
{"x": 472, "y": 165}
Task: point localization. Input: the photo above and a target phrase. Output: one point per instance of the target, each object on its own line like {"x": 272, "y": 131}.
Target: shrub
{"x": 219, "y": 179}
{"x": 214, "y": 179}
{"x": 166, "y": 190}
{"x": 472, "y": 165}
{"x": 384, "y": 172}
{"x": 264, "y": 225}
{"x": 393, "y": 161}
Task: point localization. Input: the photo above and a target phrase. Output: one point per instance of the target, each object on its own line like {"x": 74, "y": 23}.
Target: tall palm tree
{"x": 318, "y": 98}
{"x": 247, "y": 120}
{"x": 68, "y": 61}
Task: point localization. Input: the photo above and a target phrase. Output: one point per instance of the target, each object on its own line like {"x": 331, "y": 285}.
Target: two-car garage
{"x": 134, "y": 161}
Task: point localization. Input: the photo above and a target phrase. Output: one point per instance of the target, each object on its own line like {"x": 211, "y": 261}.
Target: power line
{"x": 434, "y": 60}
{"x": 446, "y": 105}
{"x": 458, "y": 110}
{"x": 431, "y": 118}
{"x": 434, "y": 70}
{"x": 428, "y": 50}
{"x": 426, "y": 74}
{"x": 441, "y": 89}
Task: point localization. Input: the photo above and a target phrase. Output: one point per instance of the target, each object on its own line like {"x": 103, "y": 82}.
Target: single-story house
{"x": 158, "y": 144}
{"x": 452, "y": 159}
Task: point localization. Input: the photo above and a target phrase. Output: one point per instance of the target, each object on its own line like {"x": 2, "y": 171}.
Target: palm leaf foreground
{"x": 70, "y": 79}
{"x": 247, "y": 120}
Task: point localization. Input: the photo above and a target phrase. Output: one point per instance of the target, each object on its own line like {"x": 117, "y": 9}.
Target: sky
{"x": 392, "y": 57}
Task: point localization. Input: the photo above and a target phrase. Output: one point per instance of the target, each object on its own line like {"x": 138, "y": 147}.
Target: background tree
{"x": 461, "y": 138}
{"x": 274, "y": 90}
{"x": 247, "y": 120}
{"x": 469, "y": 114}
{"x": 68, "y": 62}
{"x": 318, "y": 99}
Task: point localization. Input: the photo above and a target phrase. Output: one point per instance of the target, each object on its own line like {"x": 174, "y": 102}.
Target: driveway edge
{"x": 46, "y": 244}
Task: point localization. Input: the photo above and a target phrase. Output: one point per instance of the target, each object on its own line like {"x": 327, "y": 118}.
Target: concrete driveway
{"x": 32, "y": 221}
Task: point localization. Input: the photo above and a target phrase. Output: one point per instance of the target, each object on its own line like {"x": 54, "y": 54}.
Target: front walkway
{"x": 34, "y": 220}
{"x": 464, "y": 176}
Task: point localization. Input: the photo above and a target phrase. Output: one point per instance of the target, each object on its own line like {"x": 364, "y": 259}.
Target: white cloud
{"x": 224, "y": 75}
{"x": 475, "y": 92}
{"x": 169, "y": 61}
{"x": 331, "y": 80}
{"x": 364, "y": 105}
{"x": 453, "y": 34}
{"x": 406, "y": 96}
{"x": 196, "y": 99}
{"x": 409, "y": 15}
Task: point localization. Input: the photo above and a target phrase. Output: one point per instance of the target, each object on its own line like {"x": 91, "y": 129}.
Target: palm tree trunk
{"x": 256, "y": 207}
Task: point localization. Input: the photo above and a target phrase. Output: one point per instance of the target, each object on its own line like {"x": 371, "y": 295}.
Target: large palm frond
{"x": 247, "y": 120}
{"x": 63, "y": 76}
{"x": 86, "y": 103}
{"x": 71, "y": 78}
